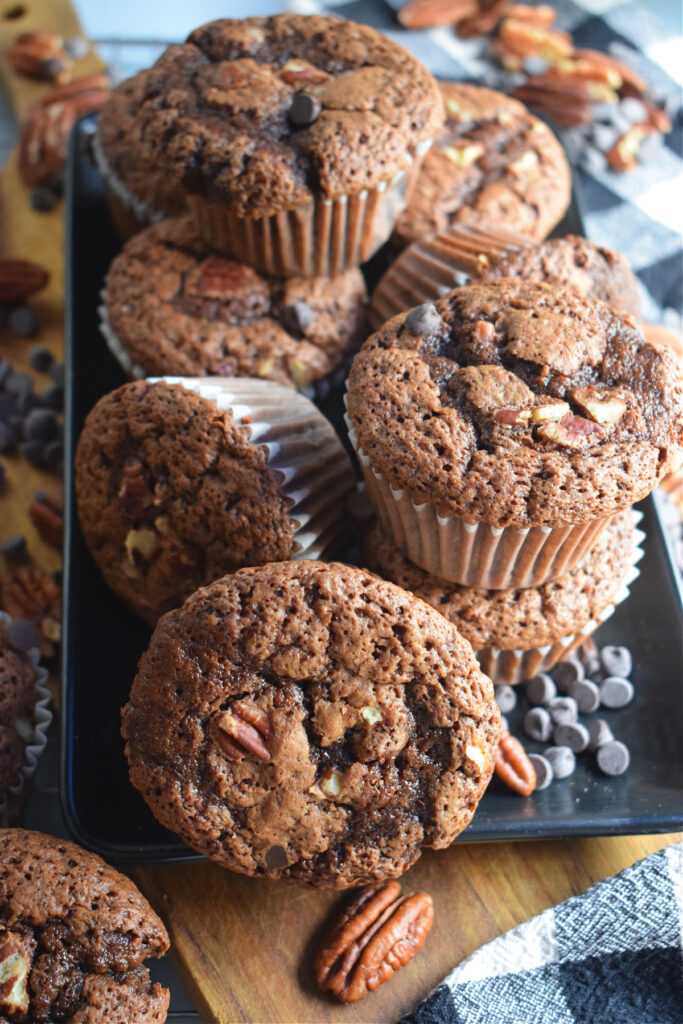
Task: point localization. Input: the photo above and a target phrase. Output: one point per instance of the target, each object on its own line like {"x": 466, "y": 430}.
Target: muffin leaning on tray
{"x": 296, "y": 137}
{"x": 499, "y": 429}
{"x": 308, "y": 721}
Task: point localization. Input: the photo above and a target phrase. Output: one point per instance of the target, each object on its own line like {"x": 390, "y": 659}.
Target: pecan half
{"x": 430, "y": 13}
{"x": 219, "y": 277}
{"x": 32, "y": 594}
{"x": 242, "y": 730}
{"x": 528, "y": 40}
{"x": 567, "y": 100}
{"x": 513, "y": 417}
{"x": 47, "y": 515}
{"x": 513, "y": 766}
{"x": 485, "y": 20}
{"x": 300, "y": 72}
{"x": 623, "y": 156}
{"x": 41, "y": 55}
{"x": 380, "y": 932}
{"x": 19, "y": 279}
{"x": 632, "y": 83}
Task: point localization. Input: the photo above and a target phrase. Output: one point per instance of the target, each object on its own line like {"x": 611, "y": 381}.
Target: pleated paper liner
{"x": 515, "y": 666}
{"x": 35, "y": 733}
{"x": 475, "y": 554}
{"x": 426, "y": 270}
{"x": 128, "y": 212}
{"x": 301, "y": 445}
{"x": 320, "y": 238}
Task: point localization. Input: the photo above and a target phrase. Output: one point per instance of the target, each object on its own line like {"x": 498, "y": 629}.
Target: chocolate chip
{"x": 506, "y": 698}
{"x": 41, "y": 425}
{"x": 562, "y": 761}
{"x": 568, "y": 672}
{"x": 14, "y": 548}
{"x": 276, "y": 857}
{"x": 17, "y": 383}
{"x": 52, "y": 396}
{"x": 40, "y": 358}
{"x": 586, "y": 694}
{"x": 43, "y": 199}
{"x": 304, "y": 111}
{"x": 6, "y": 407}
{"x": 634, "y": 110}
{"x": 56, "y": 373}
{"x": 589, "y": 656}
{"x": 563, "y": 710}
{"x": 538, "y": 725}
{"x": 423, "y": 319}
{"x": 573, "y": 735}
{"x": 616, "y": 692}
{"x": 541, "y": 689}
{"x": 604, "y": 136}
{"x": 617, "y": 661}
{"x": 27, "y": 402}
{"x": 53, "y": 455}
{"x": 535, "y": 65}
{"x": 8, "y": 438}
{"x": 298, "y": 317}
{"x": 33, "y": 453}
{"x": 22, "y": 635}
{"x": 5, "y": 371}
{"x": 599, "y": 733}
{"x": 613, "y": 757}
{"x": 543, "y": 770}
{"x": 23, "y": 321}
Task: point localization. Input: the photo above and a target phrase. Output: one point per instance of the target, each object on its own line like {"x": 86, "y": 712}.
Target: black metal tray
{"x": 103, "y": 641}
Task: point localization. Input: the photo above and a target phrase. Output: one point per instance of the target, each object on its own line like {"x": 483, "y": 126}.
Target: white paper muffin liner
{"x": 474, "y": 554}
{"x": 129, "y": 212}
{"x": 301, "y": 446}
{"x": 515, "y": 666}
{"x": 320, "y": 238}
{"x": 41, "y": 723}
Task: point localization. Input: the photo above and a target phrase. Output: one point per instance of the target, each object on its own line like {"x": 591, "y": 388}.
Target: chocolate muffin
{"x": 18, "y": 696}
{"x": 500, "y": 428}
{"x": 74, "y": 935}
{"x": 296, "y": 137}
{"x": 174, "y": 490}
{"x": 175, "y": 308}
{"x": 139, "y": 191}
{"x": 426, "y": 270}
{"x": 494, "y": 163}
{"x": 517, "y": 633}
{"x": 308, "y": 721}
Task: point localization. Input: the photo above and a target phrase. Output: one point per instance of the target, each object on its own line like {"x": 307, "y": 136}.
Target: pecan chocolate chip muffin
{"x": 74, "y": 935}
{"x": 513, "y": 405}
{"x": 289, "y": 133}
{"x": 309, "y": 721}
{"x": 176, "y": 308}
{"x": 493, "y": 163}
{"x": 174, "y": 490}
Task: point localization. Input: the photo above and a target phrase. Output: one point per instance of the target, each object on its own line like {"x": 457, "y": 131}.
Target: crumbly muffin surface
{"x": 305, "y": 720}
{"x": 515, "y": 403}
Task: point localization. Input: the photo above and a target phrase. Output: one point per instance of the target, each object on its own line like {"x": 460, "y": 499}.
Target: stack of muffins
{"x": 298, "y": 718}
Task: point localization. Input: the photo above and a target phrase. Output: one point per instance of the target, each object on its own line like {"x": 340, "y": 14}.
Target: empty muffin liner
{"x": 515, "y": 666}
{"x": 475, "y": 554}
{"x": 320, "y": 238}
{"x": 301, "y": 446}
{"x": 128, "y": 212}
{"x": 36, "y": 738}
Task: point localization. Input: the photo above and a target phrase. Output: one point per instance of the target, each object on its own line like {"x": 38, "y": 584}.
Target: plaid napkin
{"x": 610, "y": 956}
{"x": 634, "y": 213}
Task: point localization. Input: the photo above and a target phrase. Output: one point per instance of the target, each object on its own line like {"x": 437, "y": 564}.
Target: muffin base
{"x": 128, "y": 212}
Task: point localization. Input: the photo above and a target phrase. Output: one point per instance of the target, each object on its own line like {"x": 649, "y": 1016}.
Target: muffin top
{"x": 493, "y": 163}
{"x": 118, "y": 131}
{"x": 73, "y": 936}
{"x": 179, "y": 309}
{"x": 306, "y": 720}
{"x": 516, "y": 403}
{"x": 261, "y": 113}
{"x": 172, "y": 494}
{"x": 518, "y": 618}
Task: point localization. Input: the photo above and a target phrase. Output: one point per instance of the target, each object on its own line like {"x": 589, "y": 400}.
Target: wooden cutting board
{"x": 245, "y": 947}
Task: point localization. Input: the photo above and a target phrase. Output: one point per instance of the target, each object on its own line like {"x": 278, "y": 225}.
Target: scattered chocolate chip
{"x": 8, "y": 437}
{"x": 593, "y": 160}
{"x": 535, "y": 65}
{"x": 304, "y": 111}
{"x": 616, "y": 692}
{"x": 52, "y": 396}
{"x": 506, "y": 698}
{"x": 543, "y": 770}
{"x": 541, "y": 689}
{"x": 43, "y": 199}
{"x": 56, "y": 373}
{"x": 33, "y": 453}
{"x": 23, "y": 321}
{"x": 27, "y": 402}
{"x": 586, "y": 694}
{"x": 589, "y": 656}
{"x": 538, "y": 725}
{"x": 297, "y": 317}
{"x": 568, "y": 672}
{"x": 77, "y": 47}
{"x": 14, "y": 548}
{"x": 563, "y": 710}
{"x": 276, "y": 857}
{"x": 40, "y": 358}
{"x": 600, "y": 733}
{"x": 17, "y": 383}
{"x": 634, "y": 110}
{"x": 573, "y": 735}
{"x": 6, "y": 407}
{"x": 617, "y": 661}
{"x": 604, "y": 136}
{"x": 5, "y": 371}
{"x": 423, "y": 319}
{"x": 22, "y": 635}
{"x": 53, "y": 455}
{"x": 613, "y": 757}
{"x": 41, "y": 425}
{"x": 562, "y": 761}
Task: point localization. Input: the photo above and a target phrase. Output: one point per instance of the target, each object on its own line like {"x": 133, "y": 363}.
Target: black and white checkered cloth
{"x": 639, "y": 213}
{"x": 610, "y": 956}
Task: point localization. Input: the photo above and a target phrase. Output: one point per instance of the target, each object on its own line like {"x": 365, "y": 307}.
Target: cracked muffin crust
{"x": 74, "y": 935}
{"x": 178, "y": 308}
{"x": 223, "y": 111}
{"x": 173, "y": 494}
{"x": 493, "y": 163}
{"x": 515, "y": 403}
{"x": 518, "y": 618}
{"x": 308, "y": 721}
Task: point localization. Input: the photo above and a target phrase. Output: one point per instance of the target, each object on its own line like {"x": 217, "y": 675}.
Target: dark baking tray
{"x": 103, "y": 640}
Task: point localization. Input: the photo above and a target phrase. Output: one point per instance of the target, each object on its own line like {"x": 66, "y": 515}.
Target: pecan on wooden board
{"x": 29, "y": 593}
{"x": 513, "y": 766}
{"x": 19, "y": 279}
{"x": 431, "y": 13}
{"x": 380, "y": 932}
{"x": 41, "y": 55}
{"x": 47, "y": 515}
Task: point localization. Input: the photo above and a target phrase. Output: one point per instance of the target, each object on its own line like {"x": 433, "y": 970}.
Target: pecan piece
{"x": 133, "y": 494}
{"x": 242, "y": 730}
{"x": 430, "y": 13}
{"x": 380, "y": 932}
{"x": 298, "y": 72}
{"x": 485, "y": 20}
{"x": 566, "y": 100}
{"x": 513, "y": 766}
{"x": 602, "y": 408}
{"x": 571, "y": 432}
{"x": 47, "y": 515}
{"x": 513, "y": 417}
{"x": 527, "y": 40}
{"x": 623, "y": 156}
{"x": 41, "y": 55}
{"x": 632, "y": 83}
{"x": 16, "y": 955}
{"x": 19, "y": 279}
